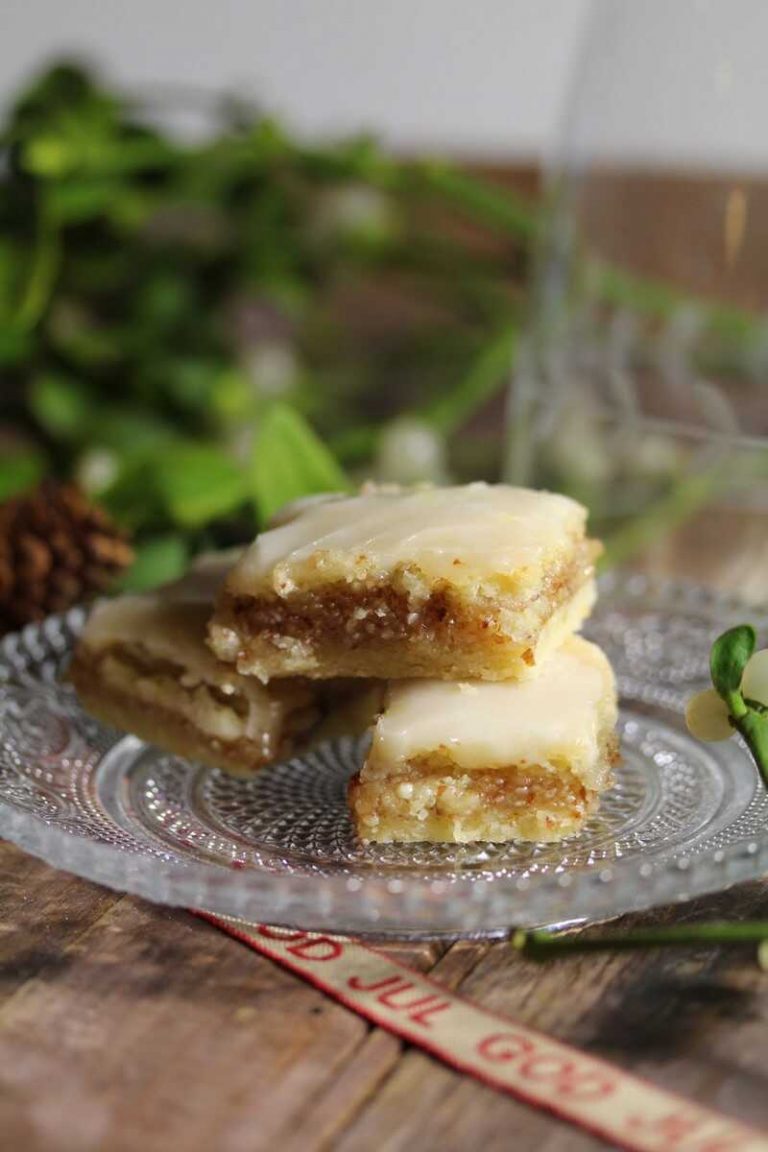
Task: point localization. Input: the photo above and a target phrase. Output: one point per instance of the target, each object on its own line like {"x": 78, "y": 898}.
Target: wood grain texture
{"x": 130, "y": 1028}
{"x": 159, "y": 1033}
{"x": 39, "y": 908}
{"x": 693, "y": 1020}
{"x": 133, "y": 1028}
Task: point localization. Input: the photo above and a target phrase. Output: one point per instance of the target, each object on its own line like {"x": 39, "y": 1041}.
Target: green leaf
{"x": 165, "y": 300}
{"x": 199, "y": 483}
{"x": 234, "y": 399}
{"x": 61, "y": 405}
{"x": 158, "y": 560}
{"x": 129, "y": 430}
{"x": 81, "y": 339}
{"x": 193, "y": 383}
{"x": 132, "y": 497}
{"x": 15, "y": 345}
{"x": 49, "y": 156}
{"x": 730, "y": 653}
{"x": 12, "y": 263}
{"x": 487, "y": 374}
{"x": 76, "y": 201}
{"x": 289, "y": 461}
{"x": 19, "y": 470}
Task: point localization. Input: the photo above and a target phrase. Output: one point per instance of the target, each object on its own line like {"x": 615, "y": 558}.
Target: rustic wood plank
{"x": 423, "y": 1105}
{"x": 55, "y": 966}
{"x": 162, "y": 1033}
{"x": 693, "y": 1020}
{"x": 323, "y": 1119}
{"x": 317, "y": 1122}
{"x": 257, "y": 1057}
{"x": 41, "y": 911}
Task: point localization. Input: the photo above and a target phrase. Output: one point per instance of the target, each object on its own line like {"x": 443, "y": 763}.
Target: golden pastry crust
{"x": 129, "y": 687}
{"x": 374, "y": 614}
{"x": 491, "y": 761}
{"x": 142, "y": 664}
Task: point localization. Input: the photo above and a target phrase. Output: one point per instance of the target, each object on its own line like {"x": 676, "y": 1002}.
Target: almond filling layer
{"x": 225, "y": 714}
{"x": 458, "y": 806}
{"x": 346, "y": 615}
{"x": 433, "y": 799}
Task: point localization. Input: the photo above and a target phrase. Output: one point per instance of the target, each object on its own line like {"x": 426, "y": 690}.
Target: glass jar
{"x": 642, "y": 384}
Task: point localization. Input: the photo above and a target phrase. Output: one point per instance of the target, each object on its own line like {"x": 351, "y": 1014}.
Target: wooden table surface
{"x": 126, "y": 1027}
{"x": 134, "y": 1028}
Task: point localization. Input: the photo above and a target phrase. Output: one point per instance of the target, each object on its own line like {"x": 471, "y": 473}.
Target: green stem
{"x": 487, "y": 374}
{"x": 500, "y": 209}
{"x": 671, "y": 510}
{"x": 753, "y": 726}
{"x": 542, "y": 945}
{"x": 42, "y": 276}
{"x": 617, "y": 286}
{"x": 505, "y": 211}
{"x": 450, "y": 273}
{"x": 447, "y": 414}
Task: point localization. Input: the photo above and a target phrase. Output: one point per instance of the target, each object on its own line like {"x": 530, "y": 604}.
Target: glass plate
{"x": 683, "y": 819}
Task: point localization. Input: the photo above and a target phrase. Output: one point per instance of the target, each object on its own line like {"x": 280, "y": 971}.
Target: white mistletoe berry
{"x": 754, "y": 683}
{"x": 707, "y": 717}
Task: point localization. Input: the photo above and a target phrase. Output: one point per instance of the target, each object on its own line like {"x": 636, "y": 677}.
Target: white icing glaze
{"x": 298, "y": 507}
{"x": 464, "y": 534}
{"x": 556, "y": 717}
{"x": 167, "y": 631}
{"x": 202, "y": 581}
{"x": 170, "y": 623}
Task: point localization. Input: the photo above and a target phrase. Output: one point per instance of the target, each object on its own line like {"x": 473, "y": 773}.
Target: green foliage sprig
{"x": 180, "y": 322}
{"x": 159, "y": 296}
{"x": 731, "y": 655}
{"x": 541, "y": 945}
{"x": 738, "y": 701}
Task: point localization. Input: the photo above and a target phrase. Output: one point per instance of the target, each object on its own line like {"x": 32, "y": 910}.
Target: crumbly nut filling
{"x": 222, "y": 712}
{"x": 350, "y": 615}
{"x": 432, "y": 799}
{"x": 224, "y": 718}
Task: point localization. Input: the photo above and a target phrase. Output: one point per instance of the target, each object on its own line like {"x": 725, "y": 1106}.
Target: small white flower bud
{"x": 96, "y": 469}
{"x": 410, "y": 451}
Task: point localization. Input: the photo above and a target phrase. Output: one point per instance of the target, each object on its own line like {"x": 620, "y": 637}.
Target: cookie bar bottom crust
{"x": 198, "y": 722}
{"x": 433, "y": 800}
{"x": 382, "y": 631}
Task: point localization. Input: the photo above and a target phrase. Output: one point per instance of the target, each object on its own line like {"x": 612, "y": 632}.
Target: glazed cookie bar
{"x": 142, "y": 665}
{"x": 458, "y": 762}
{"x": 473, "y": 582}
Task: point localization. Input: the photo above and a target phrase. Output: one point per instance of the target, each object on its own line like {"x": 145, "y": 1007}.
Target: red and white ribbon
{"x": 511, "y": 1057}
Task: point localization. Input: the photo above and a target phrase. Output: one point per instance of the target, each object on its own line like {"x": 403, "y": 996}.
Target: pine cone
{"x": 56, "y": 549}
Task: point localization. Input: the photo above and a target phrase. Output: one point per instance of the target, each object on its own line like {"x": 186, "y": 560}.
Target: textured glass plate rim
{"x": 425, "y": 908}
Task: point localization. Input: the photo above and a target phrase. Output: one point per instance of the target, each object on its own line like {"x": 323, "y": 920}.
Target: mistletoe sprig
{"x": 738, "y": 700}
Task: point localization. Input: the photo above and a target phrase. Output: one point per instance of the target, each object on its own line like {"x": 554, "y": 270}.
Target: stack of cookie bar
{"x": 447, "y": 613}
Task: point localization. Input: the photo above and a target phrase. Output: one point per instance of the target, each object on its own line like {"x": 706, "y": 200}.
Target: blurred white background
{"x": 487, "y": 80}
{"x": 483, "y": 80}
